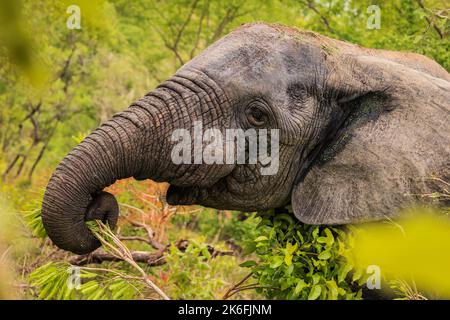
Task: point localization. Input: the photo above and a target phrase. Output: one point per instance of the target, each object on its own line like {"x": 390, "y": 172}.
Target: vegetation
{"x": 57, "y": 84}
{"x": 299, "y": 261}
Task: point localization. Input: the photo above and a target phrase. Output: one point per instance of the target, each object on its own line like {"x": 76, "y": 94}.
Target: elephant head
{"x": 360, "y": 130}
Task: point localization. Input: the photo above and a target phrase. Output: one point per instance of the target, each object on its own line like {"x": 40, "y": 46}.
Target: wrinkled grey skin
{"x": 361, "y": 130}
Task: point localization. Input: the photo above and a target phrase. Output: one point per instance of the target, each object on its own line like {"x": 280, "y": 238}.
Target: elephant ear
{"x": 381, "y": 155}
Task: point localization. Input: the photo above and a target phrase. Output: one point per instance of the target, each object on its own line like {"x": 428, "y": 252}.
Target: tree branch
{"x": 174, "y": 47}
{"x": 429, "y": 21}
{"x": 312, "y": 6}
{"x": 240, "y": 287}
{"x": 230, "y": 15}
{"x": 150, "y": 234}
{"x": 199, "y": 29}
{"x": 152, "y": 259}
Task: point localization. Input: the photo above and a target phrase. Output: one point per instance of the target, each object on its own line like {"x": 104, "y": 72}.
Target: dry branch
{"x": 150, "y": 234}
{"x": 117, "y": 249}
{"x": 150, "y": 258}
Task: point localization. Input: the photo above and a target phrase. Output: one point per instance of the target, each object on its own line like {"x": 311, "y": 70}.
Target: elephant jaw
{"x": 182, "y": 196}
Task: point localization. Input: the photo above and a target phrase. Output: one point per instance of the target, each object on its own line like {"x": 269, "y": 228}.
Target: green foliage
{"x": 221, "y": 225}
{"x": 61, "y": 281}
{"x": 34, "y": 222}
{"x": 298, "y": 261}
{"x": 32, "y": 217}
{"x": 195, "y": 275}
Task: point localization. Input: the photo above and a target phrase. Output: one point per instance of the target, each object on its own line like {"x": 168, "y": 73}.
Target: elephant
{"x": 361, "y": 131}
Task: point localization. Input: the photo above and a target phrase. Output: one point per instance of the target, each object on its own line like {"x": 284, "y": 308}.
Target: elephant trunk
{"x": 116, "y": 150}
{"x": 135, "y": 143}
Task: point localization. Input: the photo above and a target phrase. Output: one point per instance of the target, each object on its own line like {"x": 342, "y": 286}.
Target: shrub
{"x": 298, "y": 261}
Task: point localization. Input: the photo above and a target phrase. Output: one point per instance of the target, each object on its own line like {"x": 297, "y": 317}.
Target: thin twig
{"x": 311, "y": 5}
{"x": 429, "y": 21}
{"x": 150, "y": 234}
{"x": 233, "y": 288}
{"x": 123, "y": 252}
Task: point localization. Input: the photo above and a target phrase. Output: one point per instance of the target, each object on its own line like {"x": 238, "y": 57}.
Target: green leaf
{"x": 248, "y": 264}
{"x": 88, "y": 275}
{"x": 301, "y": 284}
{"x": 289, "y": 270}
{"x": 315, "y": 232}
{"x": 315, "y": 292}
{"x": 343, "y": 271}
{"x": 97, "y": 295}
{"x": 328, "y": 239}
{"x": 34, "y": 222}
{"x": 324, "y": 255}
{"x": 261, "y": 238}
{"x": 316, "y": 278}
{"x": 276, "y": 262}
{"x": 288, "y": 259}
{"x": 291, "y": 248}
{"x": 333, "y": 291}
{"x": 300, "y": 236}
{"x": 89, "y": 287}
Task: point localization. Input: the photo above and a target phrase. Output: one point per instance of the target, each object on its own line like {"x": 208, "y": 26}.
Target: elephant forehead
{"x": 258, "y": 61}
{"x": 238, "y": 59}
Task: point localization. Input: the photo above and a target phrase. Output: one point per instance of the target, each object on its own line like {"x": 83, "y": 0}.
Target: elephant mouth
{"x": 227, "y": 193}
{"x": 201, "y": 194}
{"x": 194, "y": 195}
{"x": 182, "y": 195}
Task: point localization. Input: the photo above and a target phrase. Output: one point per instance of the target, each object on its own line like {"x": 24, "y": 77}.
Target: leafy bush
{"x": 298, "y": 261}
{"x": 192, "y": 272}
{"x": 221, "y": 225}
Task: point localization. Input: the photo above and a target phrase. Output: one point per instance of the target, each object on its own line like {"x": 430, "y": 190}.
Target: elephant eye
{"x": 256, "y": 117}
